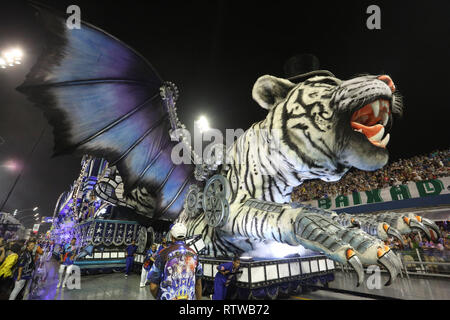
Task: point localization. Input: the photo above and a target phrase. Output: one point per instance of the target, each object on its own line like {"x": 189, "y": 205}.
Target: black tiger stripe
{"x": 247, "y": 165}
{"x": 263, "y": 221}
{"x": 222, "y": 248}
{"x": 276, "y": 185}
{"x": 273, "y": 236}
{"x": 250, "y": 243}
{"x": 279, "y": 234}
{"x": 253, "y": 186}
{"x": 233, "y": 224}
{"x": 270, "y": 190}
{"x": 233, "y": 246}
{"x": 245, "y": 223}
{"x": 255, "y": 220}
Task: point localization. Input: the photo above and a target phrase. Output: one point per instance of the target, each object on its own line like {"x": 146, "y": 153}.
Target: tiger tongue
{"x": 369, "y": 132}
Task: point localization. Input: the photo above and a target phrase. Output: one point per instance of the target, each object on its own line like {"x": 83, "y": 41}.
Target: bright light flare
{"x": 11, "y": 57}
{"x": 35, "y": 208}
{"x": 17, "y": 53}
{"x": 11, "y": 165}
{"x": 202, "y": 123}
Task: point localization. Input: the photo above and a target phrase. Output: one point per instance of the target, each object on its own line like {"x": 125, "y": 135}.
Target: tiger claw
{"x": 430, "y": 225}
{"x": 356, "y": 264}
{"x": 415, "y": 224}
{"x": 388, "y": 259}
{"x": 391, "y": 232}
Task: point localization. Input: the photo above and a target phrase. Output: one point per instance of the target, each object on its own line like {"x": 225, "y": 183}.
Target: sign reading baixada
{"x": 410, "y": 190}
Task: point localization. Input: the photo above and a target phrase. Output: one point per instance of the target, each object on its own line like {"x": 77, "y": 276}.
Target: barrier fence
{"x": 427, "y": 262}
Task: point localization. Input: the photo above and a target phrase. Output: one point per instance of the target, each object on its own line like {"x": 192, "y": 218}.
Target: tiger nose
{"x": 386, "y": 79}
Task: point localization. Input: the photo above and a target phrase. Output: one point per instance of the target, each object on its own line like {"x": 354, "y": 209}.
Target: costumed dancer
{"x": 130, "y": 253}
{"x": 50, "y": 248}
{"x": 225, "y": 274}
{"x": 67, "y": 258}
{"x": 91, "y": 209}
{"x": 148, "y": 263}
{"x": 163, "y": 244}
{"x": 176, "y": 273}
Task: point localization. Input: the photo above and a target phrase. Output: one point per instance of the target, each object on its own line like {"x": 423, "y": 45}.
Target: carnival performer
{"x": 50, "y": 250}
{"x": 25, "y": 269}
{"x": 91, "y": 209}
{"x": 2, "y": 250}
{"x": 7, "y": 270}
{"x": 148, "y": 263}
{"x": 225, "y": 274}
{"x": 130, "y": 253}
{"x": 67, "y": 257}
{"x": 165, "y": 282}
{"x": 163, "y": 244}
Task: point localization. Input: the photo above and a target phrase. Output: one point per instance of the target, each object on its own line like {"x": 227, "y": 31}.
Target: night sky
{"x": 215, "y": 50}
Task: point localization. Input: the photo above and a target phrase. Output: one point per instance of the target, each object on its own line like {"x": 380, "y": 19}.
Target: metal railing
{"x": 426, "y": 263}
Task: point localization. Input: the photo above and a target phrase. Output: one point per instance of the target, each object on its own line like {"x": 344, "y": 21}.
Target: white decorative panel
{"x": 207, "y": 270}
{"x": 113, "y": 254}
{"x": 330, "y": 264}
{"x": 284, "y": 270}
{"x": 272, "y": 272}
{"x": 295, "y": 268}
{"x": 305, "y": 267}
{"x": 105, "y": 255}
{"x": 214, "y": 269}
{"x": 322, "y": 265}
{"x": 314, "y": 266}
{"x": 98, "y": 255}
{"x": 244, "y": 276}
{"x": 121, "y": 254}
{"x": 258, "y": 274}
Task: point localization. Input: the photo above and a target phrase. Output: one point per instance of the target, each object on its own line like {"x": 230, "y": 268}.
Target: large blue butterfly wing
{"x": 103, "y": 98}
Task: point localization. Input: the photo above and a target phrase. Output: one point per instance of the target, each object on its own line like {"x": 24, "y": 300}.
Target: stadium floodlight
{"x": 11, "y": 165}
{"x": 11, "y": 57}
{"x": 35, "y": 208}
{"x": 202, "y": 123}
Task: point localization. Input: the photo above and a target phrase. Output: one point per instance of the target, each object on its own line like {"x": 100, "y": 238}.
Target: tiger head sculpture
{"x": 327, "y": 125}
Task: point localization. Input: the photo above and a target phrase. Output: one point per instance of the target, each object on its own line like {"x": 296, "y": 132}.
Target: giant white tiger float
{"x": 106, "y": 100}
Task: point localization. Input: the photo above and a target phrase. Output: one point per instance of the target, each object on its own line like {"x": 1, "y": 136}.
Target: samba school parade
{"x": 304, "y": 203}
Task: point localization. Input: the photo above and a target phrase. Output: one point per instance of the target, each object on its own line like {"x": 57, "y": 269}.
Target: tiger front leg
{"x": 261, "y": 220}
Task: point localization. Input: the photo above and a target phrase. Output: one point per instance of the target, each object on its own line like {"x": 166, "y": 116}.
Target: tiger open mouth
{"x": 371, "y": 121}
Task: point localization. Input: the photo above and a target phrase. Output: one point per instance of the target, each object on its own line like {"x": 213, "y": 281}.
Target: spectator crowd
{"x": 426, "y": 167}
